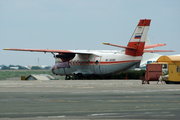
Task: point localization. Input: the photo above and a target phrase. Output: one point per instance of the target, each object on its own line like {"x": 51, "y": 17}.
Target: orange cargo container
{"x": 153, "y": 72}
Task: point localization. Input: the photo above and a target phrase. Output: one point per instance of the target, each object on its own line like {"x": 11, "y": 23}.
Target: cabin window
{"x": 112, "y": 60}
{"x": 83, "y": 62}
{"x": 77, "y": 62}
{"x": 96, "y": 62}
{"x": 148, "y": 62}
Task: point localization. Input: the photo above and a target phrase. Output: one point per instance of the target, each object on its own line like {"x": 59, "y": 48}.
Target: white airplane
{"x": 79, "y": 63}
{"x": 151, "y": 57}
{"x": 148, "y": 57}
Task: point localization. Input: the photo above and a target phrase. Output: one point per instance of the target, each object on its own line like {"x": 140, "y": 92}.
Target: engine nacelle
{"x": 64, "y": 57}
{"x": 58, "y": 60}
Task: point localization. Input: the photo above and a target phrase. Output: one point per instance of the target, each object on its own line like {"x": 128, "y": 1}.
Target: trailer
{"x": 153, "y": 72}
{"x": 173, "y": 68}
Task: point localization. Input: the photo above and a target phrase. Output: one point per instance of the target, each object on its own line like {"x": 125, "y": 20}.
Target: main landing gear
{"x": 68, "y": 77}
{"x": 78, "y": 76}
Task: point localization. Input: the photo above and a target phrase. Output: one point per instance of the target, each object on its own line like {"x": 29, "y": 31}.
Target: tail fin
{"x": 137, "y": 40}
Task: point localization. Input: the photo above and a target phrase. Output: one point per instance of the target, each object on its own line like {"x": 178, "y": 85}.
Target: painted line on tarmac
{"x": 104, "y": 114}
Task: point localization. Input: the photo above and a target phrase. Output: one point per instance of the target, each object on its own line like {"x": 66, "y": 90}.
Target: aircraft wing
{"x": 50, "y": 50}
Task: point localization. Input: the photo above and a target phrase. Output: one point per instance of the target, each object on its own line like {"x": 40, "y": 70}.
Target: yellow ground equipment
{"x": 173, "y": 68}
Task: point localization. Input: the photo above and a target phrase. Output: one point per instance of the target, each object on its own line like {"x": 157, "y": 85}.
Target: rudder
{"x": 137, "y": 40}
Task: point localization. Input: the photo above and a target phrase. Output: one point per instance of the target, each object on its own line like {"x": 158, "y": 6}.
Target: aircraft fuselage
{"x": 100, "y": 63}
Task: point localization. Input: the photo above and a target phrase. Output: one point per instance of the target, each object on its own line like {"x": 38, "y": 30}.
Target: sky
{"x": 82, "y": 25}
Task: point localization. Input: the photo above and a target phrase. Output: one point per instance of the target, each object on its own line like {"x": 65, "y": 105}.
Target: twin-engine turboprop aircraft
{"x": 79, "y": 63}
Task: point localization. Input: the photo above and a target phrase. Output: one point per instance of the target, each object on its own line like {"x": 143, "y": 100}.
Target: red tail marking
{"x": 138, "y": 51}
{"x": 144, "y": 22}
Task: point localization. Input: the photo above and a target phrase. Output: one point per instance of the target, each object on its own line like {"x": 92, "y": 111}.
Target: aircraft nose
{"x": 53, "y": 69}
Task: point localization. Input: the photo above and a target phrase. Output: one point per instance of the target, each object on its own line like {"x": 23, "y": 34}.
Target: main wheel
{"x": 67, "y": 77}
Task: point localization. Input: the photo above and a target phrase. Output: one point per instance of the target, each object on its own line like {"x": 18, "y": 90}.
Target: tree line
{"x": 19, "y": 67}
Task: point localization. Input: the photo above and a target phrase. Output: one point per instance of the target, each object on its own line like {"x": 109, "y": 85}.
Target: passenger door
{"x": 96, "y": 65}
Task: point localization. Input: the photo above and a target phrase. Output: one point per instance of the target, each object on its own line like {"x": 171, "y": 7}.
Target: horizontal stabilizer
{"x": 153, "y": 45}
{"x": 158, "y": 50}
{"x": 119, "y": 46}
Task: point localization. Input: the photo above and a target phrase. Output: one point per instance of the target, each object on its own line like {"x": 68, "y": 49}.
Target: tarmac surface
{"x": 88, "y": 99}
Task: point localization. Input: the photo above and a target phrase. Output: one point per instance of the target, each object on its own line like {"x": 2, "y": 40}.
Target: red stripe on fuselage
{"x": 106, "y": 62}
{"x": 117, "y": 62}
